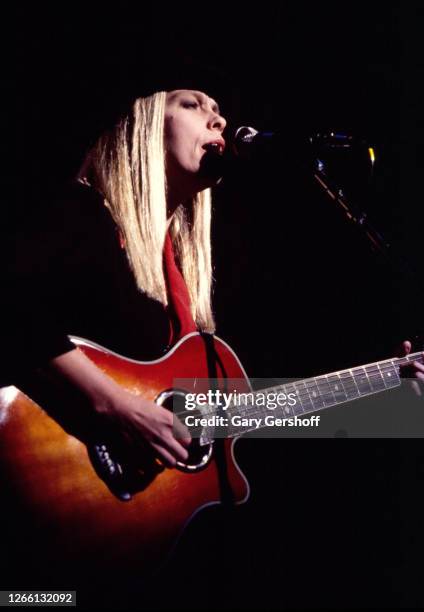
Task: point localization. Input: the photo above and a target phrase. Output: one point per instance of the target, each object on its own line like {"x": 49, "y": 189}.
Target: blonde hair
{"x": 127, "y": 166}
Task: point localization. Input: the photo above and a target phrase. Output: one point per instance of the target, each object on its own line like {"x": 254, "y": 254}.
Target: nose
{"x": 217, "y": 122}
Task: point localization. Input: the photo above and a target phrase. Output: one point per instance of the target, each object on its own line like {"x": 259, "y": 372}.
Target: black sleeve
{"x": 34, "y": 329}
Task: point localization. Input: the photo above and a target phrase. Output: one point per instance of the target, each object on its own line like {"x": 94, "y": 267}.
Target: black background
{"x": 298, "y": 290}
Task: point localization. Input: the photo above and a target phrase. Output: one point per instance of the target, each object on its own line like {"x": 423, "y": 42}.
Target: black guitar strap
{"x": 213, "y": 364}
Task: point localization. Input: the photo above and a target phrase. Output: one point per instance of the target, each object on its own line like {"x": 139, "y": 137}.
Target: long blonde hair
{"x": 127, "y": 166}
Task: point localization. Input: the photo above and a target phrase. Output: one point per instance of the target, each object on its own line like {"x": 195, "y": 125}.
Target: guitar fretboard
{"x": 316, "y": 393}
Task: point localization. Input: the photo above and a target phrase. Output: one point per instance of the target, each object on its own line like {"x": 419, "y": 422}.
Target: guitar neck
{"x": 316, "y": 393}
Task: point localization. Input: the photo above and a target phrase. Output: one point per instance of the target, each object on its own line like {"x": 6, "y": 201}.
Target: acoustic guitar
{"x": 87, "y": 503}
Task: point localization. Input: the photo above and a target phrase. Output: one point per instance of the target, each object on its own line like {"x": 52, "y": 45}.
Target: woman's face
{"x": 193, "y": 126}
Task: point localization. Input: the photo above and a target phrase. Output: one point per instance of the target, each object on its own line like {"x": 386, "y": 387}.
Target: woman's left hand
{"x": 415, "y": 369}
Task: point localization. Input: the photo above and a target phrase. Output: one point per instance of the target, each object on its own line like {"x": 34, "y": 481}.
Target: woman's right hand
{"x": 137, "y": 420}
{"x": 140, "y": 421}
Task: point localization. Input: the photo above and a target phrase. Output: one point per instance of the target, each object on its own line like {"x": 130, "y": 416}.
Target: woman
{"x": 125, "y": 259}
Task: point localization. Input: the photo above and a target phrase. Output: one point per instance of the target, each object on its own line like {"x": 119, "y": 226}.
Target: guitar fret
{"x": 349, "y": 385}
{"x": 321, "y": 392}
{"x": 361, "y": 380}
{"x": 326, "y": 391}
{"x": 375, "y": 378}
{"x": 297, "y": 408}
{"x": 303, "y": 394}
{"x": 314, "y": 394}
{"x": 338, "y": 390}
{"x": 390, "y": 374}
{"x": 287, "y": 410}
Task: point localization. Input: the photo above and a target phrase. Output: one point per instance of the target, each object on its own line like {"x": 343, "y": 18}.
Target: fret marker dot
{"x": 336, "y": 387}
{"x": 388, "y": 374}
{"x": 287, "y": 409}
{"x": 314, "y": 394}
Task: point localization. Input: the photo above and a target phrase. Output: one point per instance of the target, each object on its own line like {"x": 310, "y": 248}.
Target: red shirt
{"x": 179, "y": 310}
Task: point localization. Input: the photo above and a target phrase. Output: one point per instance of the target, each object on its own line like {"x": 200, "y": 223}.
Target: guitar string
{"x": 303, "y": 393}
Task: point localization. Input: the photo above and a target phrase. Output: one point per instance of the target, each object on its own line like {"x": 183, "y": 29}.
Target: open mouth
{"x": 214, "y": 147}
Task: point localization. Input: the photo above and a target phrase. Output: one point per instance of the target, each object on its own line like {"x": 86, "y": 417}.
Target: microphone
{"x": 291, "y": 148}
{"x": 296, "y": 150}
{"x": 245, "y": 138}
{"x": 248, "y": 145}
{"x": 247, "y": 141}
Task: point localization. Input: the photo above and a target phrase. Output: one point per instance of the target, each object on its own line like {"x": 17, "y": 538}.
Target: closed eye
{"x": 189, "y": 104}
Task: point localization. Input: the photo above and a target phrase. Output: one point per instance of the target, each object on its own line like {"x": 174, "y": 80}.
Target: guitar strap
{"x": 213, "y": 361}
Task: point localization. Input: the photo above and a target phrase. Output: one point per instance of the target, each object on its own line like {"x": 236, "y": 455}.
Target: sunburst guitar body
{"x": 55, "y": 480}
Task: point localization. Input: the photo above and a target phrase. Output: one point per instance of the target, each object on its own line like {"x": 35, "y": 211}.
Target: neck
{"x": 180, "y": 188}
{"x": 310, "y": 395}
{"x": 174, "y": 201}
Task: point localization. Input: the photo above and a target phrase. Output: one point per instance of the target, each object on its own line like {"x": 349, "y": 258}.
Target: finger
{"x": 419, "y": 367}
{"x": 175, "y": 448}
{"x": 416, "y": 387}
{"x": 404, "y": 349}
{"x": 181, "y": 432}
{"x": 164, "y": 455}
{"x": 185, "y": 441}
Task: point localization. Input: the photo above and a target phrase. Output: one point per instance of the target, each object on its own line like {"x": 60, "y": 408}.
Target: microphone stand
{"x": 360, "y": 219}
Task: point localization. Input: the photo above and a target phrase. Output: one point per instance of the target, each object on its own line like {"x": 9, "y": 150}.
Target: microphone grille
{"x": 245, "y": 134}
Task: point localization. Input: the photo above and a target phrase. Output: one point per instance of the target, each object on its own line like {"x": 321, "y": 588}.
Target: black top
{"x": 69, "y": 275}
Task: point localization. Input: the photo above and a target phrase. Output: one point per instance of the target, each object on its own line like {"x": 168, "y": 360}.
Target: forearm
{"x": 137, "y": 419}
{"x": 78, "y": 371}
